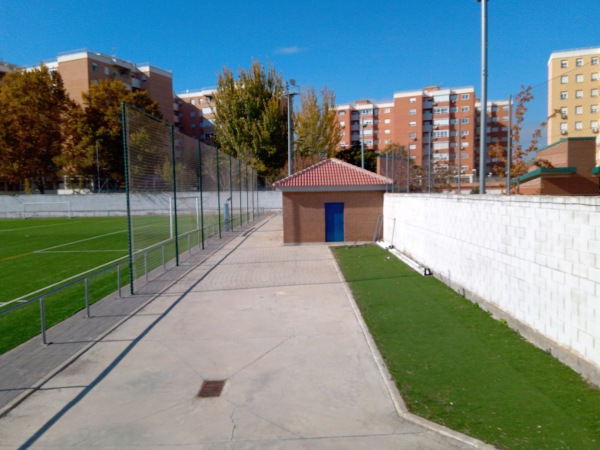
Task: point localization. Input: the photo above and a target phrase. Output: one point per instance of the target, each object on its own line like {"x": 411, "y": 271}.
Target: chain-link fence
{"x": 180, "y": 193}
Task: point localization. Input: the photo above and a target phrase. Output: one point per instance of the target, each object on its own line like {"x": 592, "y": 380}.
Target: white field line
{"x": 81, "y": 251}
{"x": 32, "y": 294}
{"x": 37, "y": 226}
{"x": 77, "y": 242}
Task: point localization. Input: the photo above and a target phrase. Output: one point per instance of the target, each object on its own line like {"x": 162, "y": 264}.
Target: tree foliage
{"x": 353, "y": 155}
{"x": 317, "y": 130}
{"x": 103, "y": 122}
{"x": 251, "y": 117}
{"x": 33, "y": 105}
{"x": 519, "y": 153}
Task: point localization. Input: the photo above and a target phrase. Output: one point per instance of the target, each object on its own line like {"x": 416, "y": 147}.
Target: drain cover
{"x": 211, "y": 388}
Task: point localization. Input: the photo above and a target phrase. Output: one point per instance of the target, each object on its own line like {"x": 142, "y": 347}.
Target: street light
{"x": 290, "y": 96}
{"x": 483, "y": 121}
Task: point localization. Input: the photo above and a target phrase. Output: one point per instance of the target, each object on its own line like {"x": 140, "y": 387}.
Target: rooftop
{"x": 333, "y": 173}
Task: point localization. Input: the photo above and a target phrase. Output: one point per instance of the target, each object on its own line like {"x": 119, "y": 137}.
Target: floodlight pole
{"x": 508, "y": 146}
{"x": 97, "y": 168}
{"x": 484, "y": 76}
{"x": 289, "y": 96}
{"x": 429, "y": 165}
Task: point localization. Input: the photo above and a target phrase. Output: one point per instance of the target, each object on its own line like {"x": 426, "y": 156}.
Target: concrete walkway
{"x": 276, "y": 323}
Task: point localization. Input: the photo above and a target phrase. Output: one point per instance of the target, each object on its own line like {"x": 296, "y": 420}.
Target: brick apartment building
{"x": 422, "y": 119}
{"x": 574, "y": 90}
{"x": 194, "y": 114}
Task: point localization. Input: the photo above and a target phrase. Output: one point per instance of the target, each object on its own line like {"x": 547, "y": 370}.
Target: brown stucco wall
{"x": 304, "y": 215}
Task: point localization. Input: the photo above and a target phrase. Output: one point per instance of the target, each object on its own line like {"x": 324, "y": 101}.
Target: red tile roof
{"x": 333, "y": 172}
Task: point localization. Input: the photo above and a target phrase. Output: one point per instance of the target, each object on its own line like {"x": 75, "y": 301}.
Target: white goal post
{"x": 187, "y": 203}
{"x": 47, "y": 209}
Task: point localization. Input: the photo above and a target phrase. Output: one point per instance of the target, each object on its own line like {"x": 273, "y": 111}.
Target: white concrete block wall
{"x": 11, "y": 206}
{"x": 534, "y": 258}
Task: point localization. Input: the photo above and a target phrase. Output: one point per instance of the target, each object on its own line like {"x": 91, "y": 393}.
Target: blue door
{"x": 334, "y": 222}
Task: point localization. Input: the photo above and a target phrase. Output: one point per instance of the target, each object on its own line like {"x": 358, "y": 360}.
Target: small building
{"x": 332, "y": 201}
{"x": 571, "y": 169}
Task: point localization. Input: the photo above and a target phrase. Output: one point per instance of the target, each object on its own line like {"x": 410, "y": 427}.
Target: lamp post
{"x": 508, "y": 146}
{"x": 362, "y": 144}
{"x": 483, "y": 121}
{"x": 429, "y": 164}
{"x": 289, "y": 96}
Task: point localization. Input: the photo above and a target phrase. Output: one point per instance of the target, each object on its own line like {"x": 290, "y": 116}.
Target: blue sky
{"x": 357, "y": 48}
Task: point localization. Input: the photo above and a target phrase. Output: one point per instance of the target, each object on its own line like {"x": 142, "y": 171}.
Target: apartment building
{"x": 431, "y": 119}
{"x": 194, "y": 114}
{"x": 79, "y": 69}
{"x": 574, "y": 91}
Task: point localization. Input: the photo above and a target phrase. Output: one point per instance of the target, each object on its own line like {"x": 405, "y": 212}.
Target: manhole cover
{"x": 211, "y": 388}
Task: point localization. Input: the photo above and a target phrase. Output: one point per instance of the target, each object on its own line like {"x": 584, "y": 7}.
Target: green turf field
{"x": 37, "y": 253}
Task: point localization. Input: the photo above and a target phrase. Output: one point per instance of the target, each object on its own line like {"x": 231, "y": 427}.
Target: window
{"x": 387, "y": 141}
{"x": 106, "y": 71}
{"x": 413, "y": 100}
{"x": 578, "y": 94}
{"x": 94, "y": 67}
{"x": 412, "y": 135}
{"x": 366, "y": 112}
{"x": 465, "y": 97}
{"x": 453, "y": 109}
{"x": 453, "y": 98}
{"x": 594, "y": 76}
{"x": 579, "y": 110}
{"x": 342, "y": 124}
{"x": 387, "y": 121}
{"x": 579, "y": 62}
{"x": 342, "y": 113}
{"x": 564, "y": 95}
{"x": 594, "y": 108}
{"x": 453, "y": 121}
{"x": 579, "y": 125}
{"x": 412, "y": 112}
{"x": 442, "y": 110}
{"x": 579, "y": 78}
{"x": 465, "y": 133}
{"x": 193, "y": 102}
{"x": 563, "y": 127}
{"x": 354, "y": 113}
{"x": 564, "y": 64}
{"x": 564, "y": 79}
{"x": 594, "y": 125}
{"x": 376, "y": 112}
{"x": 563, "y": 112}
{"x": 594, "y": 92}
{"x": 386, "y": 110}
{"x": 413, "y": 124}
{"x": 193, "y": 125}
{"x": 193, "y": 114}
{"x": 386, "y": 131}
{"x": 465, "y": 109}
{"x": 412, "y": 147}
{"x": 594, "y": 60}
{"x": 466, "y": 120}
{"x": 440, "y": 133}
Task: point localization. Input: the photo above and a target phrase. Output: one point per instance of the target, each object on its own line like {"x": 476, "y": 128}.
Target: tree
{"x": 103, "y": 122}
{"x": 33, "y": 105}
{"x": 519, "y": 153}
{"x": 251, "y": 117}
{"x": 353, "y": 155}
{"x": 316, "y": 127}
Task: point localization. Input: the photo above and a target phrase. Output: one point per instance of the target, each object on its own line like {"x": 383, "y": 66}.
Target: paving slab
{"x": 276, "y": 323}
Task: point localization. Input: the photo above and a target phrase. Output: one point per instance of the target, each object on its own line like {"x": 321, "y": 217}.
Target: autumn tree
{"x": 103, "y": 122}
{"x": 519, "y": 153}
{"x": 33, "y": 104}
{"x": 251, "y": 117}
{"x": 315, "y": 125}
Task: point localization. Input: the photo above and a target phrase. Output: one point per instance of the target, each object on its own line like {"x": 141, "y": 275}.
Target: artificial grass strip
{"x": 457, "y": 366}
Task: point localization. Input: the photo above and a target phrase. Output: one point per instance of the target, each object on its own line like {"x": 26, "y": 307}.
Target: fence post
{"x": 43, "y": 320}
{"x": 119, "y": 279}
{"x": 201, "y": 190}
{"x": 87, "y": 297}
{"x": 174, "y": 196}
{"x": 218, "y": 191}
{"x": 231, "y": 191}
{"x": 128, "y": 194}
